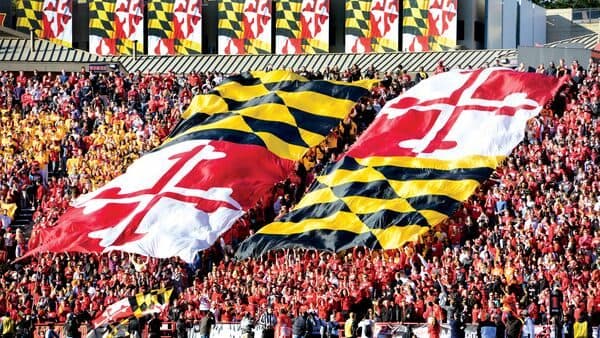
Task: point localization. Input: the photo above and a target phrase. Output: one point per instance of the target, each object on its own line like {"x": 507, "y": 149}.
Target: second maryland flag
{"x": 425, "y": 153}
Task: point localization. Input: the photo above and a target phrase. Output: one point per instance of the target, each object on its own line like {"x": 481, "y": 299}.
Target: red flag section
{"x": 113, "y": 313}
{"x": 171, "y": 202}
{"x": 427, "y": 121}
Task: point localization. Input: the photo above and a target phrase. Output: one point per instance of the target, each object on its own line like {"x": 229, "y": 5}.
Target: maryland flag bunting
{"x": 244, "y": 27}
{"x": 174, "y": 27}
{"x": 232, "y": 145}
{"x": 429, "y": 25}
{"x": 372, "y": 26}
{"x": 302, "y": 26}
{"x": 142, "y": 304}
{"x": 49, "y": 19}
{"x": 425, "y": 153}
{"x": 116, "y": 26}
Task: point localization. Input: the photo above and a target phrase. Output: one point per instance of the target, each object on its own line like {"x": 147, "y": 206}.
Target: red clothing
{"x": 433, "y": 315}
{"x": 284, "y": 327}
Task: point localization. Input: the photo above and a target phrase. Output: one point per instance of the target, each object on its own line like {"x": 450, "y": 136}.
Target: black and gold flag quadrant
{"x": 230, "y": 30}
{"x": 144, "y": 303}
{"x": 29, "y": 16}
{"x": 102, "y": 27}
{"x": 302, "y": 26}
{"x": 174, "y": 27}
{"x": 160, "y": 19}
{"x": 429, "y": 25}
{"x": 282, "y": 111}
{"x": 365, "y": 203}
{"x": 372, "y": 26}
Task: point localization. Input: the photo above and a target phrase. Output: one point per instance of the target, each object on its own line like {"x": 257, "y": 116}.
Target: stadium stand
{"x": 531, "y": 234}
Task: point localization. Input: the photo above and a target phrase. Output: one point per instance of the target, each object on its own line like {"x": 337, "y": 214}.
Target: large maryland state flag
{"x": 425, "y": 153}
{"x": 232, "y": 145}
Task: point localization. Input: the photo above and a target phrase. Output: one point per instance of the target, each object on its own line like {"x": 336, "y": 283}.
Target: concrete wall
{"x": 493, "y": 24}
{"x": 513, "y": 23}
{"x": 466, "y": 16}
{"x": 539, "y": 26}
{"x": 559, "y": 25}
{"x": 532, "y": 25}
{"x": 532, "y": 56}
{"x": 509, "y": 23}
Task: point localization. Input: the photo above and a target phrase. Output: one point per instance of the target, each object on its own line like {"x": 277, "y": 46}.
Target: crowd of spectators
{"x": 531, "y": 232}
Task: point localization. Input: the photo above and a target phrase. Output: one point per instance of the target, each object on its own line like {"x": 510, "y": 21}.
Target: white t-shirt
{"x": 363, "y": 325}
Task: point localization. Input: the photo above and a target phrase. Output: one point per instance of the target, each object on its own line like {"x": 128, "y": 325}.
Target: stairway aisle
{"x": 23, "y": 219}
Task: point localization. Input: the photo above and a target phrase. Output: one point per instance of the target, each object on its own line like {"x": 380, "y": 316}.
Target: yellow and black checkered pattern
{"x": 125, "y": 47}
{"x": 160, "y": 18}
{"x": 441, "y": 43}
{"x": 29, "y": 16}
{"x": 379, "y": 203}
{"x": 256, "y": 46}
{"x": 288, "y": 15}
{"x": 117, "y": 330}
{"x": 314, "y": 46}
{"x": 287, "y": 25}
{"x": 358, "y": 18}
{"x": 161, "y": 25}
{"x": 279, "y": 110}
{"x": 231, "y": 14}
{"x": 415, "y": 17}
{"x": 145, "y": 303}
{"x": 383, "y": 45}
{"x": 102, "y": 18}
{"x": 187, "y": 47}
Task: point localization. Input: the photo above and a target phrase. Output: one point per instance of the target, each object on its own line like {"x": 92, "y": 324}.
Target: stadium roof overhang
{"x": 28, "y": 54}
{"x": 381, "y": 61}
{"x": 15, "y": 52}
{"x": 6, "y": 32}
{"x": 42, "y": 66}
{"x": 20, "y": 53}
{"x": 587, "y": 41}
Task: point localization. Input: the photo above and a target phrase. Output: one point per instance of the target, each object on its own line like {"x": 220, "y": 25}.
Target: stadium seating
{"x": 532, "y": 231}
